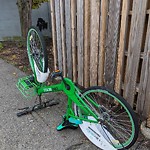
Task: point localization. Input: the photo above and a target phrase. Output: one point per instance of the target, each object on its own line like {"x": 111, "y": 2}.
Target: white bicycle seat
{"x": 41, "y": 77}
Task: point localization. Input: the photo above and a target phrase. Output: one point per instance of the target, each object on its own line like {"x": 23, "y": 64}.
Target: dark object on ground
{"x": 41, "y": 24}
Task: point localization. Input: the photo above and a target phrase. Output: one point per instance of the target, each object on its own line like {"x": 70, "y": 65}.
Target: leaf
{"x": 14, "y": 73}
{"x": 20, "y": 67}
{"x": 14, "y": 56}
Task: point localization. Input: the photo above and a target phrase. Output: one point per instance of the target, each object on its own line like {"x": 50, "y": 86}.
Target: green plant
{"x": 37, "y": 3}
{"x": 1, "y": 45}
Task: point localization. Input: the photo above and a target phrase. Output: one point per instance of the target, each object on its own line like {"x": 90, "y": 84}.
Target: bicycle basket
{"x": 27, "y": 86}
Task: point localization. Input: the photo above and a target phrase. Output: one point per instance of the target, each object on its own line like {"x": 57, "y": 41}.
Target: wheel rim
{"x": 35, "y": 50}
{"x": 122, "y": 130}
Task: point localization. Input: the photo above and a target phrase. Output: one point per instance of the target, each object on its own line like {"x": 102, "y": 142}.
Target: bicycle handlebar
{"x": 56, "y": 74}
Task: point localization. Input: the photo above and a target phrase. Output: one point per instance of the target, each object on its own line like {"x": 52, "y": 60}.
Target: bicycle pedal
{"x": 24, "y": 112}
{"x": 75, "y": 121}
{"x": 61, "y": 127}
{"x": 66, "y": 124}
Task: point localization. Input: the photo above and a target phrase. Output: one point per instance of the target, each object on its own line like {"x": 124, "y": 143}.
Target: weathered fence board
{"x": 112, "y": 42}
{"x": 95, "y": 8}
{"x": 62, "y": 15}
{"x": 58, "y": 33}
{"x": 143, "y": 99}
{"x": 53, "y": 20}
{"x": 74, "y": 49}
{"x": 68, "y": 37}
{"x": 80, "y": 13}
{"x": 122, "y": 44}
{"x": 103, "y": 21}
{"x": 134, "y": 49}
{"x": 87, "y": 42}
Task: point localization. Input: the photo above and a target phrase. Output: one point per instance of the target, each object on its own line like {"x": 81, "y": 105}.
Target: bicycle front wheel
{"x": 117, "y": 121}
{"x": 36, "y": 49}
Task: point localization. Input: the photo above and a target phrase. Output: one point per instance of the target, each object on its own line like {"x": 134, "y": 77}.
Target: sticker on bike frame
{"x": 48, "y": 90}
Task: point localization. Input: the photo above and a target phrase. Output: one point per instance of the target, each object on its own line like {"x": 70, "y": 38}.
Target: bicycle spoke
{"x": 121, "y": 127}
{"x": 36, "y": 50}
{"x": 119, "y": 133}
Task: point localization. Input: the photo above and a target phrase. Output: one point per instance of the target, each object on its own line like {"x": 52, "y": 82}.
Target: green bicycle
{"x": 105, "y": 118}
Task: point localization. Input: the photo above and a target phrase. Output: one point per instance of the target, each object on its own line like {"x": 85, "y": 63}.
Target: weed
{"x": 1, "y": 45}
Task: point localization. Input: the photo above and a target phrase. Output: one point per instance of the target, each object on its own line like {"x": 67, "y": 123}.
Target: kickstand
{"x": 41, "y": 105}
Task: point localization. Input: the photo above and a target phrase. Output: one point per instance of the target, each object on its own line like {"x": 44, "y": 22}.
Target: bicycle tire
{"x": 111, "y": 107}
{"x": 36, "y": 50}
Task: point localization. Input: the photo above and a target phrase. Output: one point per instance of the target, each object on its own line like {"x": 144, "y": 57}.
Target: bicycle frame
{"x": 74, "y": 96}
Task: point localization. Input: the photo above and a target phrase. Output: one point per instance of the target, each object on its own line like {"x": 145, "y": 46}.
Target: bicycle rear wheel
{"x": 117, "y": 121}
{"x": 36, "y": 49}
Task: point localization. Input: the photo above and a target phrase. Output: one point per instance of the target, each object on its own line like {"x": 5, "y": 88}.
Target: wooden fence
{"x": 105, "y": 42}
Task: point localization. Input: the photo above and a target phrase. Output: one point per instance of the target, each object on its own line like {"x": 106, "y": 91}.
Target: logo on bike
{"x": 48, "y": 90}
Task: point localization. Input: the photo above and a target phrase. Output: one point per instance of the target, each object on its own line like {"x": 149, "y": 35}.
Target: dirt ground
{"x": 16, "y": 54}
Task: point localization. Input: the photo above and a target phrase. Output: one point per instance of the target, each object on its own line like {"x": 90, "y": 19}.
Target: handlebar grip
{"x": 25, "y": 112}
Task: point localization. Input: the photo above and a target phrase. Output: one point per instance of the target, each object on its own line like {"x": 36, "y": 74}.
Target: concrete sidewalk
{"x": 36, "y": 131}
